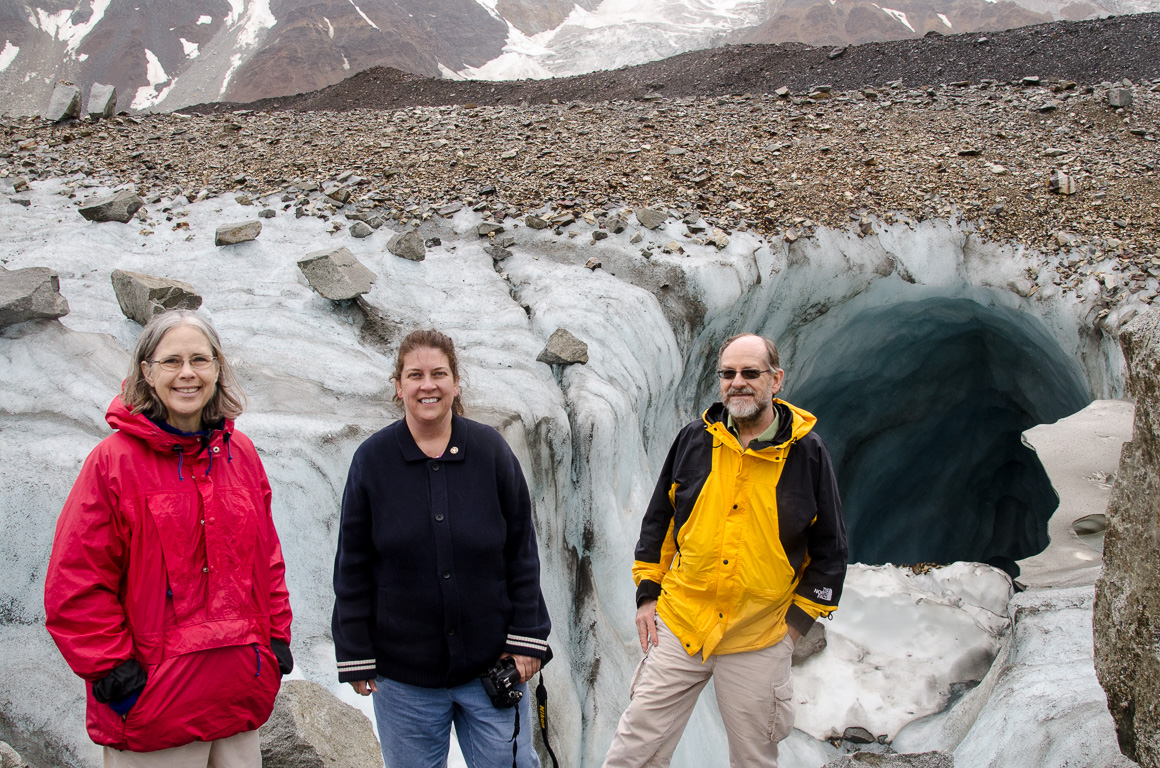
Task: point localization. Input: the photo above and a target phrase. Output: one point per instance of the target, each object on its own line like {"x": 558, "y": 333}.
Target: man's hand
{"x": 794, "y": 635}
{"x": 364, "y": 687}
{"x": 646, "y": 624}
{"x": 527, "y": 666}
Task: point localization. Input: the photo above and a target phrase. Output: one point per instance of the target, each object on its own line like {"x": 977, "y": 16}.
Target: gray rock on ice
{"x": 143, "y": 296}
{"x": 30, "y": 294}
{"x": 336, "y": 274}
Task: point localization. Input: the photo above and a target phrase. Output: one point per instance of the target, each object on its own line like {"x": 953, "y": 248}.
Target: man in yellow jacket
{"x": 741, "y": 549}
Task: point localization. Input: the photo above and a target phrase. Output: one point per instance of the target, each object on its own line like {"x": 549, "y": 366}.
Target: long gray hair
{"x": 137, "y": 393}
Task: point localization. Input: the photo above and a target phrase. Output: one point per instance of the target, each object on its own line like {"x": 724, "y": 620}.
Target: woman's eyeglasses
{"x": 728, "y": 374}
{"x": 197, "y": 363}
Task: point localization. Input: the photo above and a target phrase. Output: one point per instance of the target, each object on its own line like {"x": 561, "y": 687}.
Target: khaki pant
{"x": 754, "y": 695}
{"x": 240, "y": 751}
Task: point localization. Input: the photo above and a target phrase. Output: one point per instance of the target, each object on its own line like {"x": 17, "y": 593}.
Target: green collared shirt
{"x": 765, "y": 437}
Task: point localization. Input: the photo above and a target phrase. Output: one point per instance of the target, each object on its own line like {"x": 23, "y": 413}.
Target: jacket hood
{"x": 138, "y": 425}
{"x": 793, "y": 423}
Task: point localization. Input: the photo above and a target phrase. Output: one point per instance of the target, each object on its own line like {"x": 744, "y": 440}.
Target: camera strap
{"x": 542, "y": 708}
{"x": 515, "y": 733}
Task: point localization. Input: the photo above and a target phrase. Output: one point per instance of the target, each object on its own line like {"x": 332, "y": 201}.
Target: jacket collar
{"x": 158, "y": 438}
{"x": 456, "y": 446}
{"x": 793, "y": 424}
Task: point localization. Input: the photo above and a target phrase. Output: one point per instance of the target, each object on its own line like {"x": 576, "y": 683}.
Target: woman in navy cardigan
{"x": 437, "y": 574}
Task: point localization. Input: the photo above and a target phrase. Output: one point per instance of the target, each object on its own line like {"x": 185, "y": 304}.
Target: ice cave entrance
{"x": 922, "y": 404}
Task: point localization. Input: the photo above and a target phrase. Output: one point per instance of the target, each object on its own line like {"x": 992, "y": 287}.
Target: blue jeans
{"x": 415, "y": 726}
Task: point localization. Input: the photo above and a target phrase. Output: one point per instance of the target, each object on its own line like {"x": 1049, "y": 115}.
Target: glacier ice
{"x": 856, "y": 319}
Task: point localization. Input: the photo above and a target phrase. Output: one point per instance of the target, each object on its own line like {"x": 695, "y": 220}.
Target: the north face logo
{"x": 825, "y": 593}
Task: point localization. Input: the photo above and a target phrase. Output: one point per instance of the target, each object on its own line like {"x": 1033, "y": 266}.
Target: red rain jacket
{"x": 166, "y": 552}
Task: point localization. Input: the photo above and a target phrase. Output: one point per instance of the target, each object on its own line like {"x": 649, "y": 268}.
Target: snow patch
{"x": 617, "y": 33}
{"x": 259, "y": 18}
{"x": 237, "y": 8}
{"x": 7, "y": 55}
{"x": 329, "y": 27}
{"x": 944, "y": 20}
{"x": 898, "y": 16}
{"x": 60, "y": 26}
{"x": 365, "y": 17}
{"x": 235, "y": 62}
{"x": 204, "y": 20}
{"x": 192, "y": 50}
{"x": 83, "y": 57}
{"x": 345, "y": 63}
{"x": 148, "y": 95}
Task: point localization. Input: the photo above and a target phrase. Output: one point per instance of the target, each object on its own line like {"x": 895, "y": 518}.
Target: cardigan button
{"x": 434, "y": 466}
{"x": 205, "y": 569}
{"x": 447, "y": 574}
{"x": 439, "y": 517}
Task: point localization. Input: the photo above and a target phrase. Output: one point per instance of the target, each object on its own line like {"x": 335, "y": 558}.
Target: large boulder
{"x": 311, "y": 728}
{"x": 10, "y": 758}
{"x": 143, "y": 296}
{"x": 1126, "y": 622}
{"x": 65, "y": 103}
{"x": 117, "y": 207}
{"x": 102, "y": 101}
{"x": 30, "y": 294}
{"x": 336, "y": 274}
{"x": 408, "y": 245}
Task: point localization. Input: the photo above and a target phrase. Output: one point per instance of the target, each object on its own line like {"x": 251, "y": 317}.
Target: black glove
{"x": 282, "y": 653}
{"x": 126, "y": 678}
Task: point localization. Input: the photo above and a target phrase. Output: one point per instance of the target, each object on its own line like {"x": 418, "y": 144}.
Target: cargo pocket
{"x": 781, "y": 718}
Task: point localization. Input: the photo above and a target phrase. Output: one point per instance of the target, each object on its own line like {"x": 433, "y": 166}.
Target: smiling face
{"x": 427, "y": 387}
{"x": 749, "y": 400}
{"x": 183, "y": 392}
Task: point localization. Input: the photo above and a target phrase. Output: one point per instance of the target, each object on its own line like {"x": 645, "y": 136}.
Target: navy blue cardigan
{"x": 437, "y": 573}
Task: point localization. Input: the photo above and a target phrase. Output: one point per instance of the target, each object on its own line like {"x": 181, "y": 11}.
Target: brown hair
{"x": 430, "y": 339}
{"x": 137, "y": 393}
{"x": 770, "y": 349}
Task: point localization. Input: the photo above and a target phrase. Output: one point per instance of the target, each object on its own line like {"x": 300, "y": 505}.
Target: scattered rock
{"x": 267, "y": 213}
{"x": 488, "y": 228}
{"x": 64, "y": 104}
{"x": 118, "y": 207}
{"x": 143, "y": 296}
{"x": 496, "y": 252}
{"x": 598, "y": 235}
{"x": 858, "y": 735}
{"x": 311, "y": 728}
{"x": 19, "y": 184}
{"x": 909, "y": 760}
{"x": 336, "y": 274}
{"x": 536, "y": 222}
{"x": 30, "y": 294}
{"x": 237, "y": 232}
{"x": 649, "y": 218}
{"x": 102, "y": 101}
{"x": 837, "y": 53}
{"x": 811, "y": 644}
{"x": 1062, "y": 184}
{"x": 338, "y": 194}
{"x": 362, "y": 229}
{"x": 718, "y": 239}
{"x": 1119, "y": 97}
{"x": 563, "y": 349}
{"x": 593, "y": 264}
{"x": 408, "y": 245}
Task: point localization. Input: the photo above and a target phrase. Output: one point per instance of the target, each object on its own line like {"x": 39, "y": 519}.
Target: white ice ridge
{"x": 589, "y": 437}
{"x": 942, "y": 17}
{"x": 8, "y": 55}
{"x": 329, "y": 27}
{"x": 899, "y": 16}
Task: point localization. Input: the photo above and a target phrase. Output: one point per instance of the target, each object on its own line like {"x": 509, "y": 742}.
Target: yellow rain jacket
{"x": 737, "y": 542}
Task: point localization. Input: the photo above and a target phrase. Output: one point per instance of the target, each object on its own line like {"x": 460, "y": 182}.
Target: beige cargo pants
{"x": 754, "y": 695}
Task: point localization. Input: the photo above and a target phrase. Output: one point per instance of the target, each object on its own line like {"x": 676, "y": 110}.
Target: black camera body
{"x": 500, "y": 683}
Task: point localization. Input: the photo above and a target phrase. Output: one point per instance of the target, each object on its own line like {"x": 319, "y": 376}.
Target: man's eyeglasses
{"x": 175, "y": 364}
{"x": 728, "y": 374}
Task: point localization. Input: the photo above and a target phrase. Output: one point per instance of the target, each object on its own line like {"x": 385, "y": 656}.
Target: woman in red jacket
{"x": 166, "y": 589}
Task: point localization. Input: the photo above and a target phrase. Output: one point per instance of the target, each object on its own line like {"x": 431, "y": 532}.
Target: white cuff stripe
{"x": 356, "y": 666}
{"x": 528, "y": 642}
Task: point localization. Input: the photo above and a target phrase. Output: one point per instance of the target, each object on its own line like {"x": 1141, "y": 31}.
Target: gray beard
{"x": 745, "y": 412}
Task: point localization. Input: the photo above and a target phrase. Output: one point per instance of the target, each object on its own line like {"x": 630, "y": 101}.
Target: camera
{"x": 500, "y": 683}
